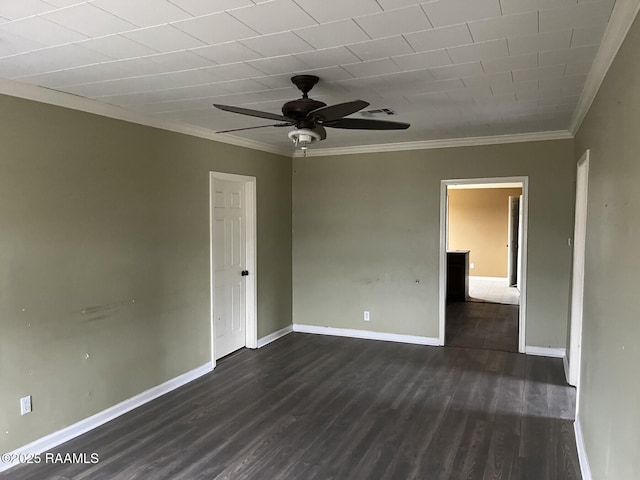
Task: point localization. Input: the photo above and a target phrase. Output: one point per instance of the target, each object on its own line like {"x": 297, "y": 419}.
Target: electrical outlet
{"x": 25, "y": 405}
{"x": 366, "y": 315}
{"x": 472, "y": 265}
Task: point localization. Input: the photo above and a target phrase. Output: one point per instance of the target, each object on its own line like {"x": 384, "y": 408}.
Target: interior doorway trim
{"x": 251, "y": 330}
{"x": 577, "y": 280}
{"x": 442, "y": 280}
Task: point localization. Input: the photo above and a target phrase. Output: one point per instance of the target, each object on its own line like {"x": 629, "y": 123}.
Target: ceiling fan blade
{"x": 334, "y": 112}
{"x": 251, "y": 113}
{"x": 321, "y": 131}
{"x": 259, "y": 126}
{"x": 364, "y": 124}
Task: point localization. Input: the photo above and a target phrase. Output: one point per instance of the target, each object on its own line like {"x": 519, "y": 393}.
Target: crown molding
{"x": 88, "y": 105}
{"x": 445, "y": 143}
{"x": 622, "y": 17}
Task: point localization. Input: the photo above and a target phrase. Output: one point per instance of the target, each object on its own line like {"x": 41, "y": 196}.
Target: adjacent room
{"x": 484, "y": 261}
{"x": 229, "y": 231}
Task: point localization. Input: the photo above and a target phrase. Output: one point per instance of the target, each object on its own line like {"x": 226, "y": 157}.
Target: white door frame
{"x": 577, "y": 278}
{"x": 251, "y": 329}
{"x": 523, "y": 250}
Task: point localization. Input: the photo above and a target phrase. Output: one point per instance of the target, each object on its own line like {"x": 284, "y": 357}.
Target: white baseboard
{"x": 473, "y": 277}
{"x": 565, "y": 362}
{"x": 582, "y": 452}
{"x": 267, "y": 339}
{"x": 545, "y": 351}
{"x": 366, "y": 334}
{"x": 54, "y": 439}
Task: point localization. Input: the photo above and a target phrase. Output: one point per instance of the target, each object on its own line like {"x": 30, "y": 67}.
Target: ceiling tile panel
{"x": 182, "y": 60}
{"x": 206, "y": 7}
{"x": 216, "y": 28}
{"x": 566, "y": 81}
{"x": 441, "y": 86}
{"x": 587, "y": 36}
{"x": 118, "y": 87}
{"x": 89, "y": 20}
{"x": 461, "y": 70}
{"x": 89, "y": 74}
{"x": 275, "y": 16}
{"x": 520, "y": 45}
{"x": 510, "y": 7}
{"x": 328, "y": 57}
{"x": 277, "y": 44}
{"x": 500, "y": 27}
{"x": 12, "y": 44}
{"x": 417, "y": 61}
{"x": 519, "y": 87}
{"x": 394, "y": 22}
{"x": 143, "y": 13}
{"x": 584, "y": 14}
{"x": 329, "y": 74}
{"x": 393, "y": 4}
{"x": 504, "y": 64}
{"x": 275, "y": 65}
{"x": 47, "y": 60}
{"x": 552, "y": 71}
{"x": 64, "y": 3}
{"x": 230, "y": 52}
{"x": 449, "y": 12}
{"x": 117, "y": 46}
{"x": 431, "y": 100}
{"x": 493, "y": 80}
{"x": 381, "y": 48}
{"x": 233, "y": 71}
{"x": 280, "y": 80}
{"x": 466, "y": 94}
{"x": 187, "y": 78}
{"x": 40, "y": 30}
{"x": 24, "y": 8}
{"x": 164, "y": 38}
{"x": 578, "y": 68}
{"x": 372, "y": 67}
{"x": 479, "y": 51}
{"x": 333, "y": 34}
{"x": 438, "y": 38}
{"x": 324, "y": 12}
{"x": 570, "y": 55}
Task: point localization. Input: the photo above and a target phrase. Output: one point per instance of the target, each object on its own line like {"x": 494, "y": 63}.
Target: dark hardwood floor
{"x": 491, "y": 326}
{"x": 317, "y": 407}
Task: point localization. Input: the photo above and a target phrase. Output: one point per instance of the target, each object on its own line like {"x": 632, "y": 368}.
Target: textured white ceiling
{"x": 452, "y": 68}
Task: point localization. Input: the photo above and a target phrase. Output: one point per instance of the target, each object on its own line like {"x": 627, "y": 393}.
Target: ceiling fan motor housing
{"x": 298, "y": 109}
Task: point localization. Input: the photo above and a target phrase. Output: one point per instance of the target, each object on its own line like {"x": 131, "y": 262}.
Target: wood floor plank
{"x": 491, "y": 326}
{"x": 314, "y": 407}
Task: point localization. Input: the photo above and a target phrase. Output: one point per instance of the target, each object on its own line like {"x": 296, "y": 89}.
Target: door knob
{"x": 244, "y": 273}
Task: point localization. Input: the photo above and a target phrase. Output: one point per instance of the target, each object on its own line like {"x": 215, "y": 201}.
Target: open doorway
{"x": 483, "y": 246}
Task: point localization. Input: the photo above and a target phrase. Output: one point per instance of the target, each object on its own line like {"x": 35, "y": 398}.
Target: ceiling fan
{"x": 310, "y": 117}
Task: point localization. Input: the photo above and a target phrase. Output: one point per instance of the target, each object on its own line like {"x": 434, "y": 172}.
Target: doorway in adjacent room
{"x": 484, "y": 233}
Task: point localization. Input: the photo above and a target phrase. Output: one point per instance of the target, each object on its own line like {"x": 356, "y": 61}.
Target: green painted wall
{"x": 104, "y": 250}
{"x": 366, "y": 235}
{"x": 610, "y": 390}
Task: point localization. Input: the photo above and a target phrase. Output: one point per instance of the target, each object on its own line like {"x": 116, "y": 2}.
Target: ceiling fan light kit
{"x": 302, "y": 137}
{"x": 310, "y": 117}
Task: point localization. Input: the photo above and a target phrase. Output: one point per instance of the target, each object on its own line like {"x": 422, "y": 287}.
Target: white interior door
{"x": 229, "y": 261}
{"x": 577, "y": 291}
{"x": 513, "y": 241}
